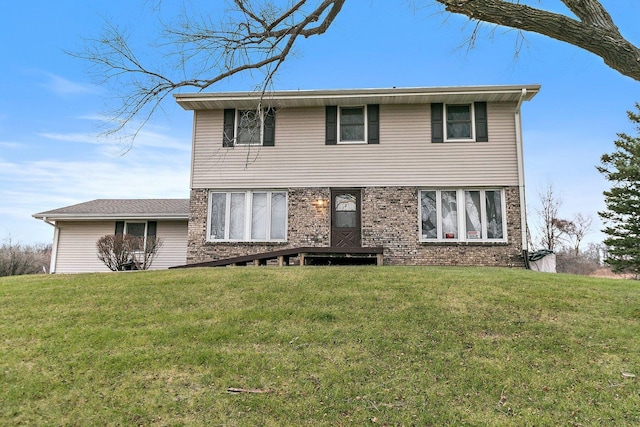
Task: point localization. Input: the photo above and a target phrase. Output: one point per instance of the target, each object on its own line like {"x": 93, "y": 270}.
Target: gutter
{"x": 521, "y": 186}
{"x": 47, "y": 220}
{"x": 110, "y": 217}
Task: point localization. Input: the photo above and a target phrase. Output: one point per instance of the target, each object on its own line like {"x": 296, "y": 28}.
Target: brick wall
{"x": 389, "y": 219}
{"x": 307, "y": 226}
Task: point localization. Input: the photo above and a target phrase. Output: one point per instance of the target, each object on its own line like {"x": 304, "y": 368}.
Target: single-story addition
{"x": 432, "y": 175}
{"x": 77, "y": 228}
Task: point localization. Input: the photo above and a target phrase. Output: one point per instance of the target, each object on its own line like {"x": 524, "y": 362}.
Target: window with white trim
{"x": 468, "y": 215}
{"x": 247, "y": 216}
{"x": 249, "y": 127}
{"x": 459, "y": 122}
{"x": 352, "y": 124}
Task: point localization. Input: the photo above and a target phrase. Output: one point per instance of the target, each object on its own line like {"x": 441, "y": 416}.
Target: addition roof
{"x": 122, "y": 209}
{"x": 315, "y": 98}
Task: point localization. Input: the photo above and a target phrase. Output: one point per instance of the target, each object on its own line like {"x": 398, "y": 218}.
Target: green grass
{"x": 329, "y": 346}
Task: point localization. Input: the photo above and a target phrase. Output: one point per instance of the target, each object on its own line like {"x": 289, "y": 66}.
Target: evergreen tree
{"x": 622, "y": 216}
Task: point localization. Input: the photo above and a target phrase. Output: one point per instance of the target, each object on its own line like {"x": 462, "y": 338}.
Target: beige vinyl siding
{"x": 404, "y": 157}
{"x": 77, "y": 245}
{"x": 174, "y": 248}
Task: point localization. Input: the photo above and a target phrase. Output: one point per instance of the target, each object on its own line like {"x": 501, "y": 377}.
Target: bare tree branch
{"x": 594, "y": 30}
{"x": 591, "y": 12}
{"x": 254, "y": 37}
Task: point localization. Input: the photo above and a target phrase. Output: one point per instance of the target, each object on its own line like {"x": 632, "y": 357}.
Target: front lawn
{"x": 319, "y": 346}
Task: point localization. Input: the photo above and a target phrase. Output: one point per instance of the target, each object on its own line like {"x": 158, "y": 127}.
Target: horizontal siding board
{"x": 77, "y": 245}
{"x": 174, "y": 248}
{"x": 405, "y": 155}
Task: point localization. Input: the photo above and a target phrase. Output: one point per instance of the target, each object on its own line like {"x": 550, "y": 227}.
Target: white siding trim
{"x": 54, "y": 249}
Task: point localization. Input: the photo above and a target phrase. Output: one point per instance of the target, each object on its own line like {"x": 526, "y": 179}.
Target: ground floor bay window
{"x": 462, "y": 215}
{"x": 247, "y": 216}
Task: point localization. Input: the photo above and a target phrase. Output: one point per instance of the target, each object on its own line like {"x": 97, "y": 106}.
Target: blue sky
{"x": 51, "y": 154}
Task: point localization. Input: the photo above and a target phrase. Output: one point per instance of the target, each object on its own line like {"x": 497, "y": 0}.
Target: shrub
{"x": 120, "y": 252}
{"x": 17, "y": 259}
{"x": 583, "y": 263}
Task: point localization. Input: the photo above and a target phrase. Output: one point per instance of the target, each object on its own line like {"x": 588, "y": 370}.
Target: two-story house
{"x": 432, "y": 175}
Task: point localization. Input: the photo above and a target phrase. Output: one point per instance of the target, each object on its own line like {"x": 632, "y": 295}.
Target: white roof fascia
{"x": 121, "y": 216}
{"x": 310, "y": 98}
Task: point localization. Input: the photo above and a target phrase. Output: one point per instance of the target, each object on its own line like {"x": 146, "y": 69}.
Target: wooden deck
{"x": 305, "y": 256}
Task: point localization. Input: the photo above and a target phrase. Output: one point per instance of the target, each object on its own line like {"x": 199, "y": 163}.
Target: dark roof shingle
{"x": 124, "y": 208}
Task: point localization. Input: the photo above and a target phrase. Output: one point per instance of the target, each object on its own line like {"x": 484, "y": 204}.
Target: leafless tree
{"x": 121, "y": 252}
{"x": 258, "y": 35}
{"x": 558, "y": 234}
{"x": 577, "y": 229}
{"x": 17, "y": 259}
{"x": 550, "y": 227}
{"x": 584, "y": 263}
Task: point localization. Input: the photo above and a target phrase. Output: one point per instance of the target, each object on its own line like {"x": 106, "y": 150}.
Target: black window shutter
{"x": 152, "y": 226}
{"x": 437, "y": 122}
{"x": 332, "y": 125}
{"x": 229, "y": 127}
{"x": 373, "y": 118}
{"x": 119, "y": 227}
{"x": 482, "y": 133}
{"x": 269, "y": 131}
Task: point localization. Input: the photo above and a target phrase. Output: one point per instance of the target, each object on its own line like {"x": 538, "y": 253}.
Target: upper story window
{"x": 462, "y": 215}
{"x": 247, "y": 216}
{"x": 249, "y": 127}
{"x": 459, "y": 122}
{"x": 352, "y": 124}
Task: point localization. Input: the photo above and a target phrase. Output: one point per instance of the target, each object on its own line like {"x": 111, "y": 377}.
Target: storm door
{"x": 345, "y": 218}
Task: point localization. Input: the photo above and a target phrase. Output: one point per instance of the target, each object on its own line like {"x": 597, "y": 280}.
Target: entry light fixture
{"x": 319, "y": 204}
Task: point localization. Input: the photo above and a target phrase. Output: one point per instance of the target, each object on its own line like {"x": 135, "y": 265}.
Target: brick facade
{"x": 389, "y": 219}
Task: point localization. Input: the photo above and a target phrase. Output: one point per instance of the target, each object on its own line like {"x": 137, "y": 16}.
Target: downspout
{"x": 521, "y": 186}
{"x": 54, "y": 246}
